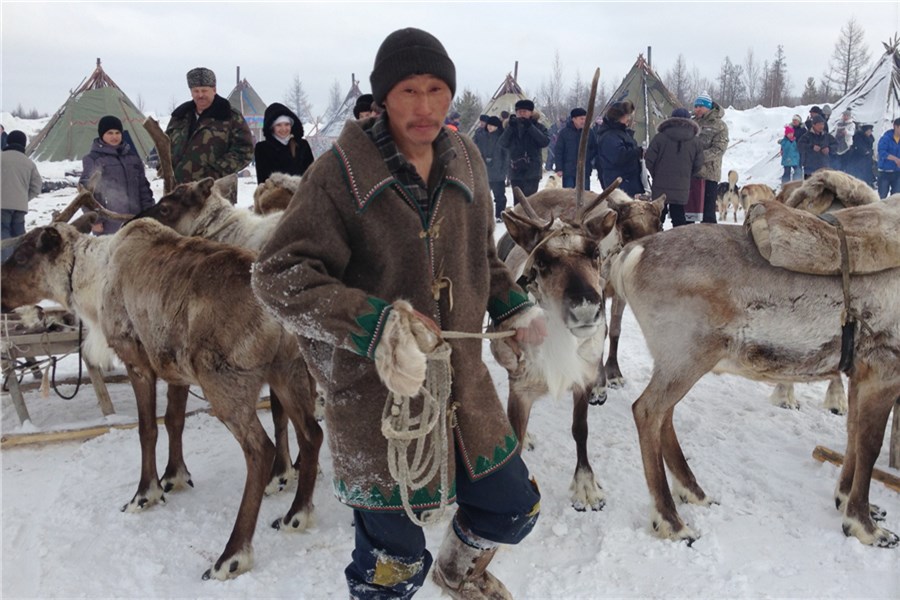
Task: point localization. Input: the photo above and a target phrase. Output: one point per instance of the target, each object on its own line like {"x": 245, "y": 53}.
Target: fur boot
{"x": 461, "y": 568}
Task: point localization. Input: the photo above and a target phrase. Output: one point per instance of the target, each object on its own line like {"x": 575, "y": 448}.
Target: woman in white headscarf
{"x": 283, "y": 150}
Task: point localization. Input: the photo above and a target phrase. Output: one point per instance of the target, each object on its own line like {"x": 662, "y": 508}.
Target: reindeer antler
{"x": 601, "y": 197}
{"x": 582, "y": 146}
{"x": 164, "y": 151}
{"x": 532, "y": 214}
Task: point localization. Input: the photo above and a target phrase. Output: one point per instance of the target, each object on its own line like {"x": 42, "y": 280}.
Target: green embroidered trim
{"x": 374, "y": 499}
{"x": 372, "y": 325}
{"x": 484, "y": 465}
{"x": 500, "y": 310}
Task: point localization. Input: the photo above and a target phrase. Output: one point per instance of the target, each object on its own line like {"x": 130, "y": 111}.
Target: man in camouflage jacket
{"x": 209, "y": 137}
{"x": 389, "y": 237}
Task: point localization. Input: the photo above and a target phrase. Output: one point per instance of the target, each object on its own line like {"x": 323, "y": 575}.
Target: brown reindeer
{"x": 558, "y": 251}
{"x": 181, "y": 309}
{"x": 725, "y": 309}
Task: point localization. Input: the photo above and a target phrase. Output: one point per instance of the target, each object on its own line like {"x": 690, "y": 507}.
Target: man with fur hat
{"x": 714, "y": 136}
{"x": 524, "y": 138}
{"x": 402, "y": 241}
{"x": 209, "y": 137}
{"x": 565, "y": 154}
{"x": 19, "y": 183}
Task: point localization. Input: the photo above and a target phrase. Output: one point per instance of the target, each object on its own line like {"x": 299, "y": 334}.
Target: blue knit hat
{"x": 704, "y": 100}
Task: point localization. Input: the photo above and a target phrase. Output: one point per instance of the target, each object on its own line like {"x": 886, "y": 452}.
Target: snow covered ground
{"x": 774, "y": 534}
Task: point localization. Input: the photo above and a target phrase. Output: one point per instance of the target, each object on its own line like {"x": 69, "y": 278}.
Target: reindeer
{"x": 180, "y": 309}
{"x": 753, "y": 193}
{"x": 725, "y": 309}
{"x": 558, "y": 249}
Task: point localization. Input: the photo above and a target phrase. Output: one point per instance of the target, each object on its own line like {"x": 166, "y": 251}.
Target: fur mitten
{"x": 507, "y": 351}
{"x": 400, "y": 355}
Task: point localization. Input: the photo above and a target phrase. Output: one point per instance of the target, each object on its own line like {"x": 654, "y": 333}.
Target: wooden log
{"x": 16, "y": 394}
{"x": 106, "y": 405}
{"x": 894, "y": 460}
{"x": 46, "y": 437}
{"x": 823, "y": 454}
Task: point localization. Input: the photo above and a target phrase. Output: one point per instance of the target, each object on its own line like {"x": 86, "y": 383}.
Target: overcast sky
{"x": 48, "y": 48}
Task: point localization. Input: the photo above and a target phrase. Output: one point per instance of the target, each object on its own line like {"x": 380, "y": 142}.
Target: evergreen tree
{"x": 468, "y": 105}
{"x": 849, "y": 59}
{"x": 335, "y": 99}
{"x": 730, "y": 84}
{"x": 810, "y": 92}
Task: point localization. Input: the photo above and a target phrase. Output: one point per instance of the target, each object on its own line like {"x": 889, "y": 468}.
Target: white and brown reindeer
{"x": 180, "y": 309}
{"x": 726, "y": 309}
{"x": 558, "y": 251}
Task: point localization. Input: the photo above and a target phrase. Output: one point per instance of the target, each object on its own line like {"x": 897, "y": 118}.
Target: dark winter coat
{"x": 675, "y": 154}
{"x": 272, "y": 156}
{"x": 219, "y": 143}
{"x": 859, "y": 160}
{"x": 618, "y": 155}
{"x": 123, "y": 185}
{"x": 524, "y": 139}
{"x": 496, "y": 157}
{"x": 330, "y": 280}
{"x": 888, "y": 145}
{"x": 790, "y": 152}
{"x": 714, "y": 135}
{"x": 811, "y": 159}
{"x": 565, "y": 154}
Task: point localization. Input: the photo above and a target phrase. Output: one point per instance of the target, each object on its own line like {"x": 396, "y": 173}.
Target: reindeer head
{"x": 562, "y": 270}
{"x": 637, "y": 218}
{"x": 180, "y": 209}
{"x": 39, "y": 268}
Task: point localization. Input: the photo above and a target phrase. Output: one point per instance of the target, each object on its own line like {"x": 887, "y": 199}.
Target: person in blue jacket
{"x": 889, "y": 161}
{"x": 790, "y": 156}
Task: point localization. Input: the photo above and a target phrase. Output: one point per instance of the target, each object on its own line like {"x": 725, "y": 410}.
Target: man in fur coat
{"x": 401, "y": 245}
{"x": 209, "y": 137}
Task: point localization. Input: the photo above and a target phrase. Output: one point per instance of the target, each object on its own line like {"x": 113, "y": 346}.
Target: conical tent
{"x": 504, "y": 99}
{"x": 245, "y": 99}
{"x": 653, "y": 102}
{"x": 876, "y": 100}
{"x": 335, "y": 120}
{"x": 69, "y": 134}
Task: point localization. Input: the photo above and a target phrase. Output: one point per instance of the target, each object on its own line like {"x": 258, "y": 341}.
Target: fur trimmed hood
{"x": 275, "y": 110}
{"x": 679, "y": 128}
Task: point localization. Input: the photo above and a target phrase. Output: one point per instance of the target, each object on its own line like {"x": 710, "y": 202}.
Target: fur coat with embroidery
{"x": 351, "y": 242}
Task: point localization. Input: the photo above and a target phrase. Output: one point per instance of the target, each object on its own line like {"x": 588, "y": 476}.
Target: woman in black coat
{"x": 284, "y": 150}
{"x": 496, "y": 160}
{"x": 618, "y": 154}
{"x": 674, "y": 156}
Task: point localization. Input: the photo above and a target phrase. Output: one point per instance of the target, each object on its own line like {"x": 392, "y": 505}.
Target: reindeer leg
{"x": 650, "y": 411}
{"x": 873, "y": 406}
{"x": 586, "y": 492}
{"x": 835, "y": 398}
{"x": 282, "y": 468}
{"x": 783, "y": 396}
{"x": 300, "y": 403}
{"x": 685, "y": 487}
{"x": 234, "y": 403}
{"x": 176, "y": 476}
{"x": 613, "y": 374}
{"x": 518, "y": 409}
{"x": 149, "y": 492}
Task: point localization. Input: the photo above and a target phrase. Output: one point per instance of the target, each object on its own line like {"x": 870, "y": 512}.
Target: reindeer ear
{"x": 205, "y": 186}
{"x": 601, "y": 224}
{"x": 48, "y": 240}
{"x": 660, "y": 203}
{"x": 524, "y": 233}
{"x": 84, "y": 222}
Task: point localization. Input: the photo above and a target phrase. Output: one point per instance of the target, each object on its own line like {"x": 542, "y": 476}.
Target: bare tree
{"x": 578, "y": 93}
{"x": 296, "y": 99}
{"x": 697, "y": 84}
{"x": 730, "y": 84}
{"x": 140, "y": 102}
{"x": 751, "y": 77}
{"x": 335, "y": 98}
{"x": 551, "y": 91}
{"x": 849, "y": 59}
{"x": 677, "y": 80}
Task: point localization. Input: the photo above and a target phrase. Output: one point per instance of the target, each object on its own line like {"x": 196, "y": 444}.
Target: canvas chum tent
{"x": 653, "y": 102}
{"x": 324, "y": 137}
{"x": 246, "y": 101}
{"x": 876, "y": 100}
{"x": 70, "y": 132}
{"x": 504, "y": 99}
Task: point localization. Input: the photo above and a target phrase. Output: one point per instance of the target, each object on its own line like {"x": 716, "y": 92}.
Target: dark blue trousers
{"x": 390, "y": 559}
{"x": 13, "y": 225}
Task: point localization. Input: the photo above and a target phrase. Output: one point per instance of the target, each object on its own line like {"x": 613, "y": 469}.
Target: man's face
{"x": 699, "y": 111}
{"x": 365, "y": 114}
{"x": 896, "y": 130}
{"x": 416, "y": 108}
{"x": 795, "y": 123}
{"x": 203, "y": 97}
{"x": 819, "y": 127}
{"x": 523, "y": 113}
{"x": 578, "y": 122}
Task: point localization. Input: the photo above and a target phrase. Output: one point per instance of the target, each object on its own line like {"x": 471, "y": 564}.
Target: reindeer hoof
{"x": 877, "y": 513}
{"x": 139, "y": 503}
{"x": 178, "y": 481}
{"x": 615, "y": 383}
{"x": 231, "y": 567}
{"x": 301, "y": 521}
{"x": 597, "y": 397}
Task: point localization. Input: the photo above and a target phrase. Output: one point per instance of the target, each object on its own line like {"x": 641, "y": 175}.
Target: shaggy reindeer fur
{"x": 566, "y": 255}
{"x": 198, "y": 209}
{"x": 754, "y": 193}
{"x": 728, "y": 310}
{"x": 786, "y": 190}
{"x": 181, "y": 309}
{"x": 728, "y": 194}
{"x": 826, "y": 187}
{"x": 553, "y": 182}
{"x": 275, "y": 193}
